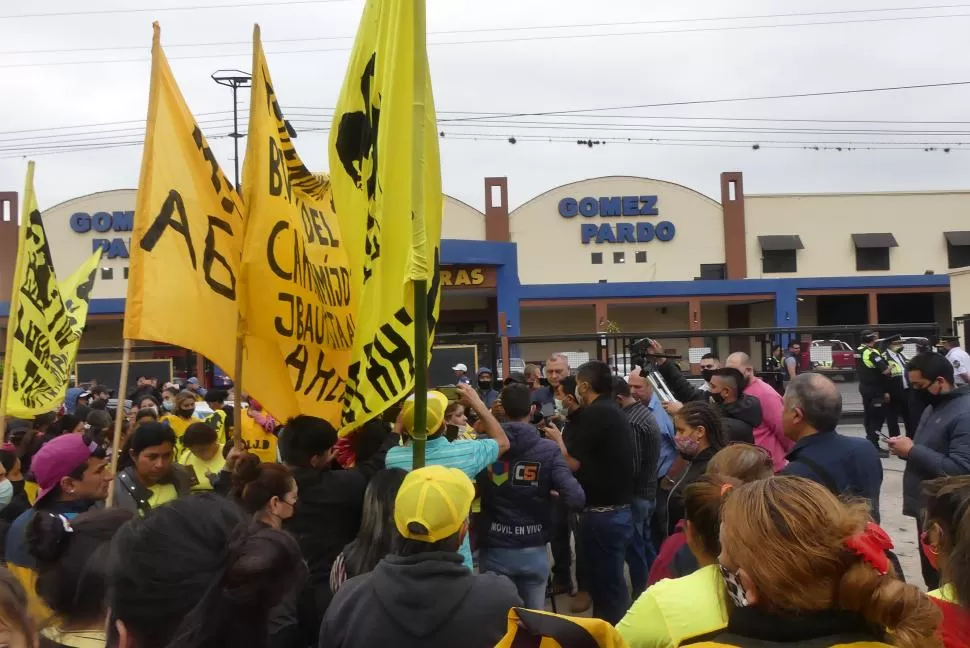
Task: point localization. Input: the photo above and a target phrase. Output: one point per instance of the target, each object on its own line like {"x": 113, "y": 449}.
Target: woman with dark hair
{"x": 67, "y": 424}
{"x": 72, "y": 566}
{"x": 269, "y": 493}
{"x": 16, "y": 627}
{"x": 195, "y": 574}
{"x": 152, "y": 478}
{"x": 946, "y": 544}
{"x": 699, "y": 436}
{"x": 183, "y": 415}
{"x": 373, "y": 541}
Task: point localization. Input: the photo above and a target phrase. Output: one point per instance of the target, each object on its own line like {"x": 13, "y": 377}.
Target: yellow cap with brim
{"x": 437, "y": 404}
{"x": 433, "y": 503}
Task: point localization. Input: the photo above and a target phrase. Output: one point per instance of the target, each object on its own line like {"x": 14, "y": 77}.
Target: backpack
{"x": 535, "y": 629}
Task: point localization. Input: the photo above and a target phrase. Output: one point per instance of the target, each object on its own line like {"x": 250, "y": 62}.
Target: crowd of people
{"x": 730, "y": 515}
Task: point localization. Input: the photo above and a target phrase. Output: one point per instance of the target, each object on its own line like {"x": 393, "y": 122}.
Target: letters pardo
{"x": 618, "y": 207}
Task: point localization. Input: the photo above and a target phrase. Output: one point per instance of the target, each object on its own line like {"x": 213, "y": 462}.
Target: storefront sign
{"x": 103, "y": 222}
{"x": 467, "y": 277}
{"x": 617, "y": 207}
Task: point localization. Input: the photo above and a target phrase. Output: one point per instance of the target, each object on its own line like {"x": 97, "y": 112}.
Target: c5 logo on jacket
{"x": 526, "y": 473}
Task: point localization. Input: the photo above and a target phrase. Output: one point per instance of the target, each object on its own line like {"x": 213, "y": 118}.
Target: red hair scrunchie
{"x": 871, "y": 545}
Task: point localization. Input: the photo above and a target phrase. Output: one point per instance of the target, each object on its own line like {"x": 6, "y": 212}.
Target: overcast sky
{"x": 530, "y": 74}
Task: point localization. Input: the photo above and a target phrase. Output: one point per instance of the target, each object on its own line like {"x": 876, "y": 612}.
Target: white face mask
{"x": 6, "y": 493}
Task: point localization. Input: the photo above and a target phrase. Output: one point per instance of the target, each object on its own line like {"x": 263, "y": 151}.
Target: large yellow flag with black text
{"x": 372, "y": 165}
{"x": 40, "y": 334}
{"x": 76, "y": 293}
{"x": 296, "y": 298}
{"x": 187, "y": 235}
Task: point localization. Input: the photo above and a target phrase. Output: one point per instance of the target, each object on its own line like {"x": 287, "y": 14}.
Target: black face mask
{"x": 18, "y": 487}
{"x": 708, "y": 374}
{"x": 717, "y": 399}
{"x": 484, "y": 385}
{"x": 185, "y": 413}
{"x": 926, "y": 397}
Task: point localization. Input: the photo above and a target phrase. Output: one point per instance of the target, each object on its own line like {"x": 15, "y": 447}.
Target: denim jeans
{"x": 605, "y": 538}
{"x": 640, "y": 553}
{"x": 527, "y": 568}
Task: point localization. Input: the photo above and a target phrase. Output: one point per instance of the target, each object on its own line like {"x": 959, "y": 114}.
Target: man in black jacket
{"x": 422, "y": 595}
{"x": 599, "y": 452}
{"x": 329, "y": 509}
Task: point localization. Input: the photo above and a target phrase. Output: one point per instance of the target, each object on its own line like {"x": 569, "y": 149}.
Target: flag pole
{"x": 237, "y": 409}
{"x": 119, "y": 415}
{"x": 420, "y": 285}
{"x": 14, "y": 302}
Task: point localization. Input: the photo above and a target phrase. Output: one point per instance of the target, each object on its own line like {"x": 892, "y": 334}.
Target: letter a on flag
{"x": 187, "y": 235}
{"x": 372, "y": 166}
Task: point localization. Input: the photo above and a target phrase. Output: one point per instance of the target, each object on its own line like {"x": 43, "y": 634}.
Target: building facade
{"x": 629, "y": 254}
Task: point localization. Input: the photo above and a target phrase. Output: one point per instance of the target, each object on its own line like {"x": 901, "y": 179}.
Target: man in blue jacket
{"x": 942, "y": 441}
{"x": 515, "y": 522}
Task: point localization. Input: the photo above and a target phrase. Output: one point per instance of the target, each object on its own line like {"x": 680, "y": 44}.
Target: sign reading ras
{"x": 467, "y": 277}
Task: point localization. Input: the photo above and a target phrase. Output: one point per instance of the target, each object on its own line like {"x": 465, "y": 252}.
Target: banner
{"x": 187, "y": 235}
{"x": 76, "y": 293}
{"x": 297, "y": 305}
{"x": 39, "y": 332}
{"x": 372, "y": 165}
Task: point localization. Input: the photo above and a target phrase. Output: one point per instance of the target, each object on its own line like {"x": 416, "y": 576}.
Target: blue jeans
{"x": 640, "y": 553}
{"x": 605, "y": 538}
{"x": 527, "y": 568}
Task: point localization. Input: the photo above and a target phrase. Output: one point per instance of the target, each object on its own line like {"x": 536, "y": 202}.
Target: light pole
{"x": 234, "y": 79}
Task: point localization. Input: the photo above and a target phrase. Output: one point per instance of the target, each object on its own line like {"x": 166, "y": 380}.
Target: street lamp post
{"x": 234, "y": 79}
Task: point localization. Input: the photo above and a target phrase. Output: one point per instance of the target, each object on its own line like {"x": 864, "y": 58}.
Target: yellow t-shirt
{"x": 218, "y": 422}
{"x": 201, "y": 468}
{"x": 257, "y": 440}
{"x": 178, "y": 424}
{"x": 676, "y": 609}
{"x": 162, "y": 494}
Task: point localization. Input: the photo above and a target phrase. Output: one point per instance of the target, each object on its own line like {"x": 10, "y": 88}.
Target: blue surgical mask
{"x": 6, "y": 493}
{"x": 168, "y": 406}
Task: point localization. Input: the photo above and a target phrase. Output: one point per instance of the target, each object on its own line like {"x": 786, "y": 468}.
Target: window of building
{"x": 107, "y": 274}
{"x": 641, "y": 257}
{"x": 619, "y": 257}
{"x": 873, "y": 258}
{"x": 957, "y": 256}
{"x": 596, "y": 258}
{"x": 126, "y": 272}
{"x": 778, "y": 261}
{"x": 713, "y": 271}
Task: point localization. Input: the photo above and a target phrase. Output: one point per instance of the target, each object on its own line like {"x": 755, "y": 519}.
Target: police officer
{"x": 957, "y": 357}
{"x": 899, "y": 392}
{"x": 873, "y": 372}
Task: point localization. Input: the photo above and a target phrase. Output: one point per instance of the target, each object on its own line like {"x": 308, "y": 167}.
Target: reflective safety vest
{"x": 869, "y": 365}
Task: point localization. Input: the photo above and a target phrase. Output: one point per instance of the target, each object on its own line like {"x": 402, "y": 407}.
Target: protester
{"x": 73, "y": 476}
{"x": 16, "y": 626}
{"x": 461, "y": 374}
{"x": 68, "y": 424}
{"x": 942, "y": 443}
{"x": 99, "y": 427}
{"x": 193, "y": 385}
{"x": 147, "y": 402}
{"x": 269, "y": 493}
{"x": 564, "y": 522}
{"x": 791, "y": 363}
{"x": 599, "y": 452}
{"x": 153, "y": 478}
{"x": 422, "y": 595}
{"x": 845, "y": 465}
{"x": 169, "y": 395}
{"x": 13, "y": 496}
{"x": 700, "y": 435}
{"x": 99, "y": 397}
{"x": 328, "y": 513}
{"x": 646, "y": 453}
{"x": 72, "y": 566}
{"x": 557, "y": 368}
{"x": 455, "y": 414}
{"x": 145, "y": 415}
{"x": 803, "y": 568}
{"x": 471, "y": 457}
{"x": 946, "y": 545}
{"x": 516, "y": 506}
{"x": 198, "y": 573}
{"x": 674, "y": 610}
{"x": 486, "y": 389}
{"x": 202, "y": 458}
{"x": 533, "y": 376}
{"x": 257, "y": 430}
{"x": 145, "y": 387}
{"x": 770, "y": 434}
{"x": 373, "y": 541}
{"x": 183, "y": 415}
{"x": 741, "y": 413}
{"x": 708, "y": 364}
{"x": 740, "y": 461}
{"x": 221, "y": 418}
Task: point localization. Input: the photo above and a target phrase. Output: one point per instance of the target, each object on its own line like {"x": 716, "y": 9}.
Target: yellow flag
{"x": 76, "y": 293}
{"x": 187, "y": 235}
{"x": 372, "y": 166}
{"x": 39, "y": 327}
{"x": 296, "y": 299}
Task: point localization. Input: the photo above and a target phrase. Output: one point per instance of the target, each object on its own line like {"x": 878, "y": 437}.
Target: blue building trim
{"x": 504, "y": 257}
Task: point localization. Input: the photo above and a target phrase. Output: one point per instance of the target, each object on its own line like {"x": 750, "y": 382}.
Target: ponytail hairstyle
{"x": 702, "y": 508}
{"x": 789, "y": 536}
{"x": 697, "y": 414}
{"x": 198, "y": 573}
{"x": 742, "y": 461}
{"x": 948, "y": 506}
{"x": 254, "y": 483}
{"x": 72, "y": 562}
{"x": 376, "y": 533}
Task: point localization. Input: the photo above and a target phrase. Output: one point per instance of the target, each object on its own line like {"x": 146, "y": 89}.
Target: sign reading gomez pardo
{"x": 619, "y": 207}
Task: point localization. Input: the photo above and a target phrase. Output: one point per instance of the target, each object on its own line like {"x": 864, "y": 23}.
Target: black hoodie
{"x": 427, "y": 600}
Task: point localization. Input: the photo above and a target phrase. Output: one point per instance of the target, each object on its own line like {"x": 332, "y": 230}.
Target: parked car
{"x": 833, "y": 356}
{"x": 515, "y": 365}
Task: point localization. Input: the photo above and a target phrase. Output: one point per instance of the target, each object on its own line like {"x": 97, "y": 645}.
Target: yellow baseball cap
{"x": 437, "y": 404}
{"x": 432, "y": 503}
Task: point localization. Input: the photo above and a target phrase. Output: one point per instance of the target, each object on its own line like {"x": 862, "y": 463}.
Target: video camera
{"x": 643, "y": 357}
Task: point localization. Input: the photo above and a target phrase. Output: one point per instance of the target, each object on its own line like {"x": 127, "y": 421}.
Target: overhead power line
{"x": 128, "y": 10}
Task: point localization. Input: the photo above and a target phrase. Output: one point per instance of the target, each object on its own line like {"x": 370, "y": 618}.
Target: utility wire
{"x": 101, "y": 12}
